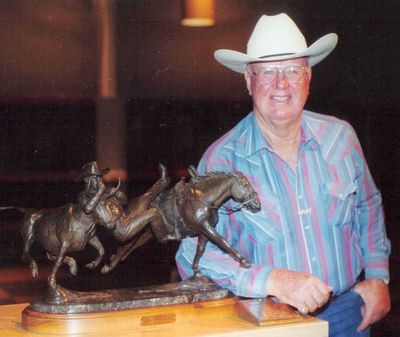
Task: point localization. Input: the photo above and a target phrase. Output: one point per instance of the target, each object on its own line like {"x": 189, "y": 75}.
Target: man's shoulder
{"x": 323, "y": 125}
{"x": 322, "y": 118}
{"x": 335, "y": 136}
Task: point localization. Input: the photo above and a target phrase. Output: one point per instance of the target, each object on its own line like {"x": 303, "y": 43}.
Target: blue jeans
{"x": 344, "y": 315}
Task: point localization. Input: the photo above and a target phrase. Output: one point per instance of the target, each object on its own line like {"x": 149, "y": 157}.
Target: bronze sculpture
{"x": 191, "y": 209}
{"x": 187, "y": 209}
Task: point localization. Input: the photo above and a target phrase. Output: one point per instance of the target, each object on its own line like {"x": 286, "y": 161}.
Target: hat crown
{"x": 90, "y": 169}
{"x": 275, "y": 35}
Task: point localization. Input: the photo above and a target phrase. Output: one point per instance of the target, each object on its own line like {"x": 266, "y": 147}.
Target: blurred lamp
{"x": 198, "y": 13}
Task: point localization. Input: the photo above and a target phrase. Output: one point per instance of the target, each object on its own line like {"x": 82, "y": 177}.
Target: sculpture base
{"x": 192, "y": 290}
{"x": 137, "y": 320}
{"x": 173, "y": 307}
{"x": 80, "y": 310}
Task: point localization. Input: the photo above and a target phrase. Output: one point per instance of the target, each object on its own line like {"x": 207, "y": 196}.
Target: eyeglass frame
{"x": 278, "y": 70}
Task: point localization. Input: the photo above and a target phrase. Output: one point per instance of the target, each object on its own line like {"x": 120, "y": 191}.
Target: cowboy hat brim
{"x": 315, "y": 53}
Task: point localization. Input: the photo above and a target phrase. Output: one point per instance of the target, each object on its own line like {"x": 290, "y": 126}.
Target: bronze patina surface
{"x": 189, "y": 291}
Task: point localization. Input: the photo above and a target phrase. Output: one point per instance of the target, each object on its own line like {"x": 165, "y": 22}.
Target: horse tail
{"x": 21, "y": 209}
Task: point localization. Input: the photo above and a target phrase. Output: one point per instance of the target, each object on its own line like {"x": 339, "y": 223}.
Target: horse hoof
{"x": 59, "y": 295}
{"x": 105, "y": 269}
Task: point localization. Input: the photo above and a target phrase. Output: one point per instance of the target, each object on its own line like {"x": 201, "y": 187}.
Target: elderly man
{"x": 319, "y": 243}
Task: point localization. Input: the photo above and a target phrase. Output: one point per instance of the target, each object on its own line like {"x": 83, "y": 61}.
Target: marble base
{"x": 190, "y": 291}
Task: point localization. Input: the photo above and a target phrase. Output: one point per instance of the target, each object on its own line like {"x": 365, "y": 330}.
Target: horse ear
{"x": 193, "y": 172}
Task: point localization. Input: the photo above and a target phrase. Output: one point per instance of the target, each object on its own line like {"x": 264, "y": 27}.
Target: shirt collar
{"x": 256, "y": 140}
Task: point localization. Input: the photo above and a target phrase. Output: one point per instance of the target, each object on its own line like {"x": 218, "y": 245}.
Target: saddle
{"x": 167, "y": 205}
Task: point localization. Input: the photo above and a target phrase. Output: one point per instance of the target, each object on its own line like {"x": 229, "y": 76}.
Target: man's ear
{"x": 309, "y": 74}
{"x": 247, "y": 77}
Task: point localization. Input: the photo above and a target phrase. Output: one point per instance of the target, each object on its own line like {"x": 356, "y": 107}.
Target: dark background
{"x": 178, "y": 100}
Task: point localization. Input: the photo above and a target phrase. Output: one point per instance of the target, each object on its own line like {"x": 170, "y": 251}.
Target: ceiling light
{"x": 198, "y": 13}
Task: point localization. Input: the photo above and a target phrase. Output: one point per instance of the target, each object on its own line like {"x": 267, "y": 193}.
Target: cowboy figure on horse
{"x": 94, "y": 186}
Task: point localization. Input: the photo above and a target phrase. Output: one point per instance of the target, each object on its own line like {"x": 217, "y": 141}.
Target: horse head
{"x": 244, "y": 193}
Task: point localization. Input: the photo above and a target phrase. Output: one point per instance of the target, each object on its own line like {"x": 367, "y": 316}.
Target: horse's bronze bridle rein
{"x": 229, "y": 210}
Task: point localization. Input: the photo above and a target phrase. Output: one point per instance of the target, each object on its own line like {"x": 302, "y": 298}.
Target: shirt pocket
{"x": 339, "y": 202}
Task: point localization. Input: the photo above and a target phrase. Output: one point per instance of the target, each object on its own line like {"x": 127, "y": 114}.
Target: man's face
{"x": 92, "y": 181}
{"x": 279, "y": 98}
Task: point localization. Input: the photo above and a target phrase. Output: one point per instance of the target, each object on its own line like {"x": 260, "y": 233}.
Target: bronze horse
{"x": 69, "y": 229}
{"x": 191, "y": 209}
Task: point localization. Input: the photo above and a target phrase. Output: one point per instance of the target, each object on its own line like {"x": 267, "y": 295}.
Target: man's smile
{"x": 280, "y": 98}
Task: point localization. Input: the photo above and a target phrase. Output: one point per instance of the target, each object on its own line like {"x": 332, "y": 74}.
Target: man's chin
{"x": 284, "y": 116}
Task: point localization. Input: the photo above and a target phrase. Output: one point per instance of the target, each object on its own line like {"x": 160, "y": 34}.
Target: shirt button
{"x": 306, "y": 227}
{"x": 314, "y": 259}
{"x": 300, "y": 196}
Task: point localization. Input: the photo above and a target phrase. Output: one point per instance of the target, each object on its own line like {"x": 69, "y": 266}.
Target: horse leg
{"x": 146, "y": 236}
{"x": 27, "y": 239}
{"x": 222, "y": 243}
{"x": 70, "y": 261}
{"x": 95, "y": 243}
{"x": 123, "y": 251}
{"x": 59, "y": 260}
{"x": 142, "y": 202}
{"x": 202, "y": 241}
{"x": 159, "y": 186}
{"x": 133, "y": 224}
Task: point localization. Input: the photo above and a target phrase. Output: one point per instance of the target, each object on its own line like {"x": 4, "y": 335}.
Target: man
{"x": 319, "y": 242}
{"x": 94, "y": 186}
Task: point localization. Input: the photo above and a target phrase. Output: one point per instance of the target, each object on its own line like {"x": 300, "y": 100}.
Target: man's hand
{"x": 102, "y": 186}
{"x": 304, "y": 291}
{"x": 375, "y": 294}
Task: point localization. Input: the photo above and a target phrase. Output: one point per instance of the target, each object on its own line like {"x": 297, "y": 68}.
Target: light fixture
{"x": 198, "y": 13}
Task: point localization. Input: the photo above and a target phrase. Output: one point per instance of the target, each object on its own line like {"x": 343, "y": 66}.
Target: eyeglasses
{"x": 293, "y": 74}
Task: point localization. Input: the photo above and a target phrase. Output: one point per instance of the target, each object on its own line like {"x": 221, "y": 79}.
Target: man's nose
{"x": 281, "y": 80}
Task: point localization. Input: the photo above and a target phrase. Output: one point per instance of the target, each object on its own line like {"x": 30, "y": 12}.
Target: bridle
{"x": 227, "y": 210}
{"x": 247, "y": 200}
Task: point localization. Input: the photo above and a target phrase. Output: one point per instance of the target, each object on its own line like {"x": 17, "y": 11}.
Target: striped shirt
{"x": 325, "y": 218}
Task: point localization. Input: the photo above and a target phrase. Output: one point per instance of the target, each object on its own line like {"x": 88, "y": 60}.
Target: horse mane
{"x": 197, "y": 179}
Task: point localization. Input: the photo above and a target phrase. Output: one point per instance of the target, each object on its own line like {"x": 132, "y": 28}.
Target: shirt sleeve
{"x": 217, "y": 265}
{"x": 369, "y": 218}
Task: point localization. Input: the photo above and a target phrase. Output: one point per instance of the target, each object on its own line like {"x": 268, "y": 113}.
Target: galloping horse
{"x": 191, "y": 209}
{"x": 67, "y": 229}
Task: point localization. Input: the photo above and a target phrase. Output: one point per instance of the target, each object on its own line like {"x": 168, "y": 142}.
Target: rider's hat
{"x": 91, "y": 169}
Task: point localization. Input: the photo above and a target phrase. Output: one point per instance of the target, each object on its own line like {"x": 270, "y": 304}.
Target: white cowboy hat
{"x": 276, "y": 38}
